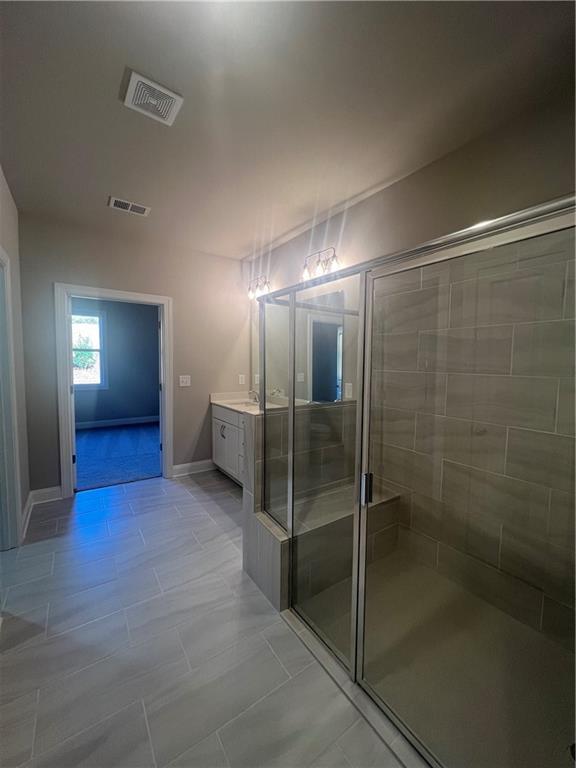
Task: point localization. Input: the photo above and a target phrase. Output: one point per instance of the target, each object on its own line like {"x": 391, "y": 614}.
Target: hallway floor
{"x": 132, "y": 637}
{"x": 112, "y": 455}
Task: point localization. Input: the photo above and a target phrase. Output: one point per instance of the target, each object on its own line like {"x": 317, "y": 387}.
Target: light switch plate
{"x": 256, "y": 378}
{"x": 241, "y": 378}
{"x": 348, "y": 394}
{"x": 184, "y": 381}
{"x": 300, "y": 377}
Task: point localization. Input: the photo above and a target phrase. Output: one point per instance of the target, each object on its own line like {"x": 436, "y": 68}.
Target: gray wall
{"x": 210, "y": 324}
{"x": 132, "y": 363}
{"x": 9, "y": 241}
{"x": 523, "y": 163}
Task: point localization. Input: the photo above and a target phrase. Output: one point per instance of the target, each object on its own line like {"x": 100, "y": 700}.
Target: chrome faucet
{"x": 256, "y": 396}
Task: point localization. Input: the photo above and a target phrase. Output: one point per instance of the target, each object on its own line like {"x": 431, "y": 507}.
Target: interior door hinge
{"x": 74, "y": 459}
{"x": 160, "y": 446}
{"x": 160, "y": 386}
{"x": 366, "y": 488}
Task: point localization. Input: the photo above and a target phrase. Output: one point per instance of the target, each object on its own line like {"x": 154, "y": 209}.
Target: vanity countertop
{"x": 240, "y": 402}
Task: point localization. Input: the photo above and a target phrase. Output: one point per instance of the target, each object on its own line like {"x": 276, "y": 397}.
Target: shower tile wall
{"x": 473, "y": 424}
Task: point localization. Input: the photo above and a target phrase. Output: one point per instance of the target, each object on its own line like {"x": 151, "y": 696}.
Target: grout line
{"x": 565, "y": 296}
{"x": 35, "y": 726}
{"x": 505, "y": 453}
{"x": 557, "y": 407}
{"x": 499, "y": 560}
{"x": 68, "y": 739}
{"x": 261, "y": 634}
{"x": 149, "y": 733}
{"x": 222, "y": 748}
{"x": 512, "y": 340}
{"x": 541, "y": 623}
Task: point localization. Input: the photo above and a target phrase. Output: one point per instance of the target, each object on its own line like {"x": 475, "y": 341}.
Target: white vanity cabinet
{"x": 228, "y": 441}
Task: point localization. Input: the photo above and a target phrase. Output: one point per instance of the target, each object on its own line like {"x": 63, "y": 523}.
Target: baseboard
{"x": 181, "y": 470}
{"x": 39, "y": 496}
{"x": 117, "y": 422}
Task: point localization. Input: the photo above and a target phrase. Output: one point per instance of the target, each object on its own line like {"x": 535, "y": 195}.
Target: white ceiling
{"x": 289, "y": 108}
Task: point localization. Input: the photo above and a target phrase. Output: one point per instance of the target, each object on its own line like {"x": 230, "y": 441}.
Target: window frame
{"x": 103, "y": 384}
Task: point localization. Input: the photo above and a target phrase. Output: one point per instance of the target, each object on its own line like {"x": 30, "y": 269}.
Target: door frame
{"x": 319, "y": 318}
{"x": 11, "y": 521}
{"x": 63, "y": 294}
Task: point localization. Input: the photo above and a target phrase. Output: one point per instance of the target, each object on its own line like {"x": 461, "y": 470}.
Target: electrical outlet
{"x": 241, "y": 378}
{"x": 300, "y": 377}
{"x": 184, "y": 381}
{"x": 256, "y": 378}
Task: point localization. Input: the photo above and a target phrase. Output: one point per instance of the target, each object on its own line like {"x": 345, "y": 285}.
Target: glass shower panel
{"x": 469, "y": 621}
{"x": 275, "y": 407}
{"x": 327, "y": 400}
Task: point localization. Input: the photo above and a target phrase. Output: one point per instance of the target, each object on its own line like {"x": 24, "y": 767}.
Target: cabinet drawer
{"x": 226, "y": 415}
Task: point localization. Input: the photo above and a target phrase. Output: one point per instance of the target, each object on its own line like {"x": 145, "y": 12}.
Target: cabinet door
{"x": 218, "y": 443}
{"x": 232, "y": 446}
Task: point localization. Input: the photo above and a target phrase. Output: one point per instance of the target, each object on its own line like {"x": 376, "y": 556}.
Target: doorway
{"x": 116, "y": 378}
{"x": 114, "y": 361}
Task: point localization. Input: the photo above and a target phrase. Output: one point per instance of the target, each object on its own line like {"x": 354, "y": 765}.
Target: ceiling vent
{"x": 128, "y": 207}
{"x": 152, "y": 99}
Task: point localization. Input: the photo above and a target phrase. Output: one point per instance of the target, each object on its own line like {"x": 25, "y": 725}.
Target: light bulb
{"x": 319, "y": 269}
{"x": 306, "y": 273}
{"x": 334, "y": 265}
{"x": 251, "y": 294}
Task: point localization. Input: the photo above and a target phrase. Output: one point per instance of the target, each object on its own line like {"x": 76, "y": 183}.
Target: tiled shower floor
{"x": 482, "y": 689}
{"x": 132, "y": 637}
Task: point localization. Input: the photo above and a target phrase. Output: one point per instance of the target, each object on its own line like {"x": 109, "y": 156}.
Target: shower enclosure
{"x": 419, "y": 450}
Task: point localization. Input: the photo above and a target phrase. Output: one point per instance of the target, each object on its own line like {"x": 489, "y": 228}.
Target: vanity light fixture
{"x": 320, "y": 263}
{"x": 258, "y": 287}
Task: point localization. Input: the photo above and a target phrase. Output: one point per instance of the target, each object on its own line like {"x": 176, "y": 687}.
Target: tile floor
{"x": 132, "y": 637}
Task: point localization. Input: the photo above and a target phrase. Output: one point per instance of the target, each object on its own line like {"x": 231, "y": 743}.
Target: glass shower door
{"x": 469, "y": 581}
{"x": 327, "y": 402}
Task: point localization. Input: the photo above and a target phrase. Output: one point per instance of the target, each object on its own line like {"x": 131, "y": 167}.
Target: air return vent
{"x": 152, "y": 99}
{"x": 128, "y": 207}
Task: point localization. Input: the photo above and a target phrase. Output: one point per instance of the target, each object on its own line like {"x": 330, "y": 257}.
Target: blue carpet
{"x": 112, "y": 455}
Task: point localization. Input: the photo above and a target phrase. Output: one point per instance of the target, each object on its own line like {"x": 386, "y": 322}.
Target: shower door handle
{"x": 366, "y": 488}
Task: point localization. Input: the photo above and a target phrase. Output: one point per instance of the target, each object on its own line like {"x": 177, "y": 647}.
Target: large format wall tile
{"x": 395, "y": 351}
{"x": 522, "y": 296}
{"x": 466, "y": 350}
{"x": 546, "y": 249}
{"x": 541, "y": 458}
{"x": 538, "y": 562}
{"x": 409, "y": 280}
{"x": 418, "y": 471}
{"x": 544, "y": 349}
{"x": 493, "y": 261}
{"x": 514, "y": 502}
{"x": 558, "y": 622}
{"x": 468, "y": 442}
{"x": 509, "y": 400}
{"x": 505, "y": 592}
{"x": 413, "y": 311}
{"x": 566, "y": 396}
{"x": 392, "y": 426}
{"x": 561, "y": 522}
{"x": 412, "y": 391}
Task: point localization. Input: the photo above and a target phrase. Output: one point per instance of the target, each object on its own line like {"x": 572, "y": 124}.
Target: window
{"x": 88, "y": 361}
